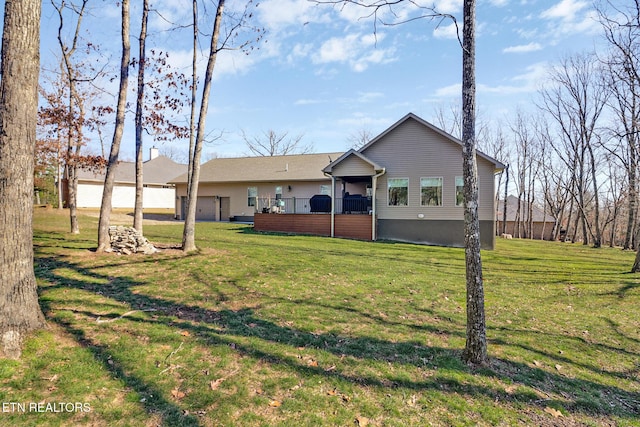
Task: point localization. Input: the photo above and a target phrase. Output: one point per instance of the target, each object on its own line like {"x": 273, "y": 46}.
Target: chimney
{"x": 153, "y": 153}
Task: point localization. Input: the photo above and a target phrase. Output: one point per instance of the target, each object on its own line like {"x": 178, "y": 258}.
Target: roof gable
{"x": 353, "y": 155}
{"x": 411, "y": 116}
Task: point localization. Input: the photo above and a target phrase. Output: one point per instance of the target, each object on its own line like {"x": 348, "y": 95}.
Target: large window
{"x": 252, "y": 195}
{"x": 325, "y": 189}
{"x": 398, "y": 191}
{"x": 459, "y": 191}
{"x": 431, "y": 191}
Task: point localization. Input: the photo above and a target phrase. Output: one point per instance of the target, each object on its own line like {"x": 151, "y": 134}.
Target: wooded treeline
{"x": 573, "y": 154}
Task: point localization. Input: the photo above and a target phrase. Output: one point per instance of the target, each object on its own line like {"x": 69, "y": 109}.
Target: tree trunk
{"x": 188, "y": 236}
{"x": 19, "y": 309}
{"x": 476, "y": 344}
{"x": 105, "y": 208}
{"x": 138, "y": 212}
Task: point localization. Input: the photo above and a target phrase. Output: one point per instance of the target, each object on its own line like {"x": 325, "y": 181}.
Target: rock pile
{"x": 128, "y": 240}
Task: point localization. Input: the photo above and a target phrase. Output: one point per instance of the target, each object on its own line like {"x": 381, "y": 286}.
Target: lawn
{"x": 267, "y": 329}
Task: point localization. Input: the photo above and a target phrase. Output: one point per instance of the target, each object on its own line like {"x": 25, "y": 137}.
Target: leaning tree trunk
{"x": 105, "y": 208}
{"x": 19, "y": 309}
{"x": 137, "y": 212}
{"x": 476, "y": 345}
{"x": 188, "y": 235}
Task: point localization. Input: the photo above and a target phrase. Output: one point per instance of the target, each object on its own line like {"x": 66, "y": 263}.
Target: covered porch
{"x": 349, "y": 211}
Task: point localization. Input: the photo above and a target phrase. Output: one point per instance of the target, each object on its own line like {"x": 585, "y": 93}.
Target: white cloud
{"x": 276, "y": 14}
{"x": 565, "y": 10}
{"x": 523, "y": 48}
{"x": 354, "y": 49}
{"x": 446, "y": 31}
{"x": 448, "y": 6}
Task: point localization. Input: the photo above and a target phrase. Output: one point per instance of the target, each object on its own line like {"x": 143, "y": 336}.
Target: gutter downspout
{"x": 333, "y": 205}
{"x": 374, "y": 184}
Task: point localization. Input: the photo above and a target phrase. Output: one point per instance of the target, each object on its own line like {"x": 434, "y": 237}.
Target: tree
{"x": 105, "y": 207}
{"x": 137, "y": 213}
{"x": 75, "y": 108}
{"x": 622, "y": 74}
{"x": 475, "y": 351}
{"x": 19, "y": 309}
{"x": 575, "y": 99}
{"x": 275, "y": 144}
{"x": 360, "y": 138}
{"x": 234, "y": 24}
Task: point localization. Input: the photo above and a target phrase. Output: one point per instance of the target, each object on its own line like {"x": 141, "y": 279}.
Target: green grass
{"x": 263, "y": 330}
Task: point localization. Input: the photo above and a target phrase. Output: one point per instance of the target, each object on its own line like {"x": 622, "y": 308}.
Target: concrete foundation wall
{"x": 433, "y": 232}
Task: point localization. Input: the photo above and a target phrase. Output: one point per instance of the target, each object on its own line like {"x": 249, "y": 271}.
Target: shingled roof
{"x": 159, "y": 170}
{"x": 296, "y": 167}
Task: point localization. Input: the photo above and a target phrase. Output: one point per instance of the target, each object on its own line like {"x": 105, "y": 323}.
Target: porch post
{"x": 333, "y": 205}
{"x": 374, "y": 184}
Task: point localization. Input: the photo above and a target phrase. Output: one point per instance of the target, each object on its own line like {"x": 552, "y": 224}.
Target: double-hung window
{"x": 459, "y": 191}
{"x": 398, "y": 191}
{"x": 431, "y": 191}
{"x": 252, "y": 195}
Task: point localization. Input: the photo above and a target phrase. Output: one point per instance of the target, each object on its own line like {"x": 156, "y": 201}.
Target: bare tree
{"x": 575, "y": 99}
{"x": 233, "y": 24}
{"x": 105, "y": 207}
{"x": 360, "y": 138}
{"x": 476, "y": 344}
{"x": 74, "y": 103}
{"x": 622, "y": 73}
{"x": 19, "y": 309}
{"x": 272, "y": 143}
{"x": 142, "y": 40}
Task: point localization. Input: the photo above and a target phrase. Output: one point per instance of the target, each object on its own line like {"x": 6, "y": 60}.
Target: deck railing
{"x": 302, "y": 205}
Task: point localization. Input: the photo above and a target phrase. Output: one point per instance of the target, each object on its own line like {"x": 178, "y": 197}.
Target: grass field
{"x": 275, "y": 330}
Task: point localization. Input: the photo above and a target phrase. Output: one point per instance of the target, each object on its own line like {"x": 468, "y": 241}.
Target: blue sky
{"x": 320, "y": 70}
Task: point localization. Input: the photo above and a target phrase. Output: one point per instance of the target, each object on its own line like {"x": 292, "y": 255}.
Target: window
{"x": 325, "y": 189}
{"x": 431, "y": 191}
{"x": 398, "y": 191}
{"x": 252, "y": 195}
{"x": 278, "y": 192}
{"x": 459, "y": 191}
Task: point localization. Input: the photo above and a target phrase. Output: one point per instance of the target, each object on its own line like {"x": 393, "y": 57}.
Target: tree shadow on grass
{"x": 250, "y": 335}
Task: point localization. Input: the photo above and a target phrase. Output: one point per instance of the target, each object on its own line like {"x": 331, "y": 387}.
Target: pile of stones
{"x": 128, "y": 240}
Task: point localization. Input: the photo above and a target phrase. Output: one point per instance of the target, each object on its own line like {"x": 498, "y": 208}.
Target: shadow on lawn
{"x": 220, "y": 327}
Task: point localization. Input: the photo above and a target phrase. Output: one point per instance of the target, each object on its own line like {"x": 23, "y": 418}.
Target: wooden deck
{"x": 347, "y": 226}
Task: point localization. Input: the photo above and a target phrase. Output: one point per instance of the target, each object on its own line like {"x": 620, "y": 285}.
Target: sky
{"x": 328, "y": 73}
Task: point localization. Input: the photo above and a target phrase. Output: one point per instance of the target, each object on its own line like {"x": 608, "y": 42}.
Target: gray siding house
{"x": 416, "y": 176}
{"x": 404, "y": 185}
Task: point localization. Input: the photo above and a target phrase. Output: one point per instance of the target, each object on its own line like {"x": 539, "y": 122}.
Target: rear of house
{"x": 404, "y": 185}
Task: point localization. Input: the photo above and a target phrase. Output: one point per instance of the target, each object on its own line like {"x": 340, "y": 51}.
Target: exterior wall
{"x": 347, "y": 226}
{"x": 437, "y": 232}
{"x": 124, "y": 196}
{"x": 238, "y": 196}
{"x": 413, "y": 151}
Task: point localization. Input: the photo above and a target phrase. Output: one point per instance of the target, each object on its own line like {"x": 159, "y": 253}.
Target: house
{"x": 404, "y": 185}
{"x": 157, "y": 193}
{"x": 542, "y": 223}
{"x": 237, "y": 188}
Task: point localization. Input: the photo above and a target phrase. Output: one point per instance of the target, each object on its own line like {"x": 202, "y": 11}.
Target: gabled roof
{"x": 512, "y": 207}
{"x": 296, "y": 167}
{"x": 411, "y": 116}
{"x": 376, "y": 167}
{"x": 159, "y": 170}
